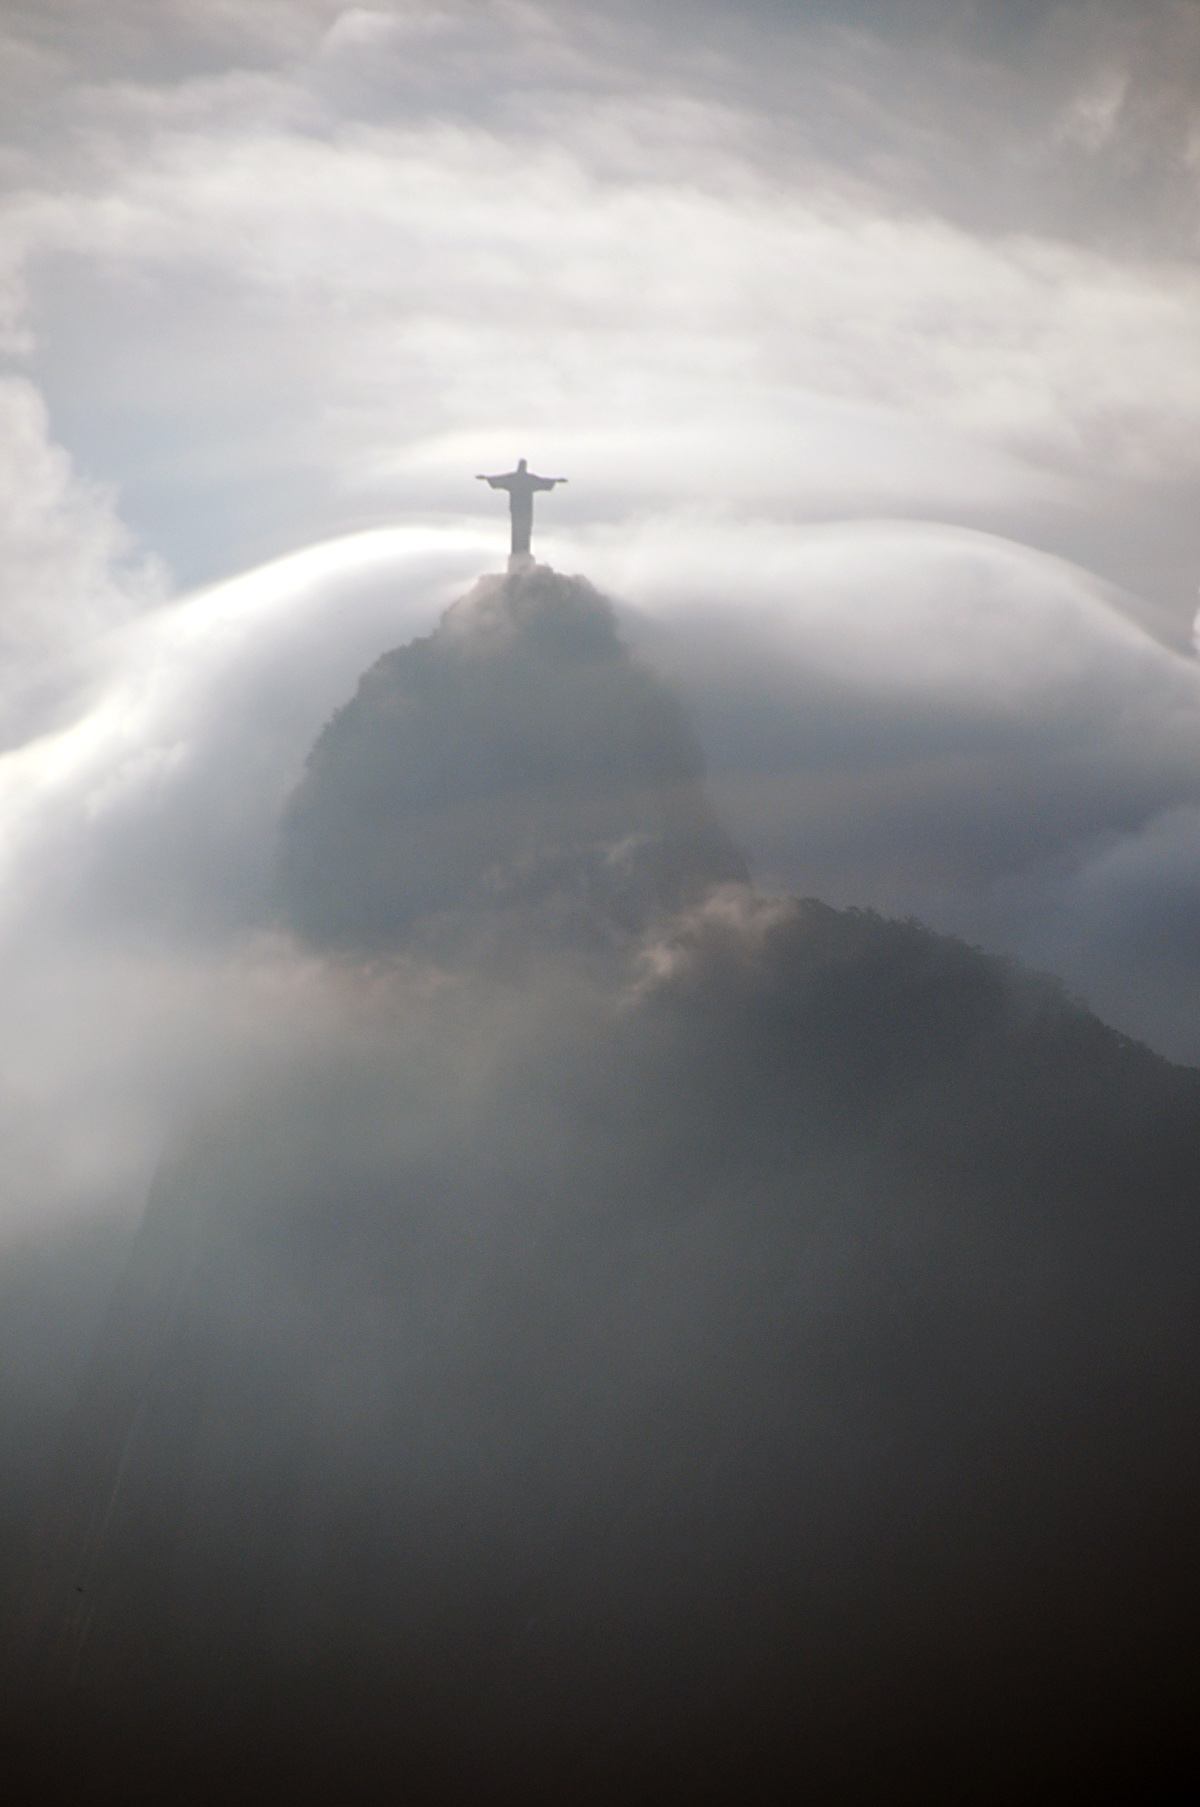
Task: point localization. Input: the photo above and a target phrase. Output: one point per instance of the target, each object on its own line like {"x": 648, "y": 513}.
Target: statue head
{"x": 520, "y": 464}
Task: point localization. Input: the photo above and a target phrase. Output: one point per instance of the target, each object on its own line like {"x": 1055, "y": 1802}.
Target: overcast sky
{"x": 281, "y": 270}
{"x": 867, "y": 335}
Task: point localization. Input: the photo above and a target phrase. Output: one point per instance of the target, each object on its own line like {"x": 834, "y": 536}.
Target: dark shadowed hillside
{"x": 742, "y": 1350}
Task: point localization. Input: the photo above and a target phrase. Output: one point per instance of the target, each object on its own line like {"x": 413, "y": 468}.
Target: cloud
{"x": 138, "y": 838}
{"x": 69, "y": 569}
{"x": 936, "y": 722}
{"x": 273, "y": 308}
{"x": 442, "y": 241}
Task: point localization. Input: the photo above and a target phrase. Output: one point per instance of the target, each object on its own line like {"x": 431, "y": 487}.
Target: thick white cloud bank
{"x": 136, "y": 842}
{"x": 919, "y": 719}
{"x": 931, "y": 721}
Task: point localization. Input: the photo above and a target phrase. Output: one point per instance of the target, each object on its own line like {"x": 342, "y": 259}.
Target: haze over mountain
{"x": 868, "y": 333}
{"x": 636, "y": 1334}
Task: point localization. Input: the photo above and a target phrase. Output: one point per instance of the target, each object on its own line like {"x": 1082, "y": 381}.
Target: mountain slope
{"x": 739, "y": 1348}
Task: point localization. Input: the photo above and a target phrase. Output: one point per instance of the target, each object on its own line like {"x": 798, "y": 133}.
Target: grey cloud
{"x": 303, "y": 304}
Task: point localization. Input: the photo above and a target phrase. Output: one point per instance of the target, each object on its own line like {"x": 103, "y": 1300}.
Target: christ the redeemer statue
{"x": 521, "y": 485}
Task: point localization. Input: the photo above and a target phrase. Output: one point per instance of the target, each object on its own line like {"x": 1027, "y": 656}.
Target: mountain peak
{"x": 518, "y": 762}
